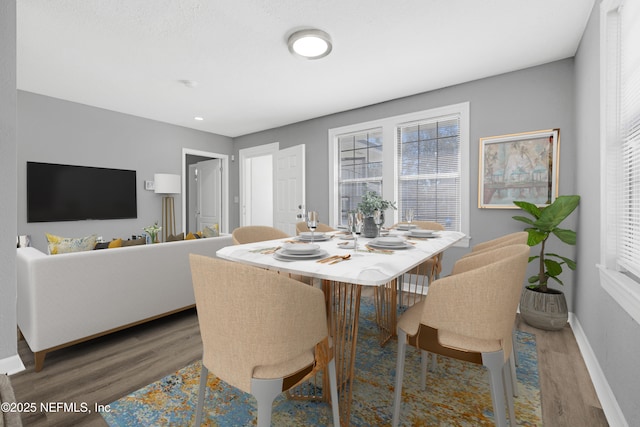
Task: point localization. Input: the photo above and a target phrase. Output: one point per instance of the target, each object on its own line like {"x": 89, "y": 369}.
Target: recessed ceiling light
{"x": 189, "y": 83}
{"x": 198, "y": 118}
{"x": 310, "y": 44}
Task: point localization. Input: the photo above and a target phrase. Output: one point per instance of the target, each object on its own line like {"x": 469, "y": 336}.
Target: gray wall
{"x": 57, "y": 131}
{"x": 613, "y": 335}
{"x": 533, "y": 99}
{"x": 8, "y": 338}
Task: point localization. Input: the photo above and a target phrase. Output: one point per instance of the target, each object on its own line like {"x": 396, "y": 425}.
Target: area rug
{"x": 457, "y": 393}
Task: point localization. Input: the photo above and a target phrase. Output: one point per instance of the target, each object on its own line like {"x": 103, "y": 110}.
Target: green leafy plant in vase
{"x": 372, "y": 201}
{"x": 153, "y": 231}
{"x": 544, "y": 223}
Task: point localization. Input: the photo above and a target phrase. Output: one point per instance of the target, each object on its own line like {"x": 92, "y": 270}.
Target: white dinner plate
{"x": 391, "y": 248}
{"x": 421, "y": 233}
{"x": 284, "y": 256}
{"x": 316, "y": 238}
{"x": 389, "y": 241}
{"x": 309, "y": 234}
{"x": 406, "y": 226}
{"x": 299, "y": 248}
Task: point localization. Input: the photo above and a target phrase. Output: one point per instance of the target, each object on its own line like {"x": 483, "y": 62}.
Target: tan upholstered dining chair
{"x": 249, "y": 339}
{"x": 322, "y": 228}
{"x": 256, "y": 233}
{"x": 469, "y": 315}
{"x": 519, "y": 237}
{"x": 418, "y": 279}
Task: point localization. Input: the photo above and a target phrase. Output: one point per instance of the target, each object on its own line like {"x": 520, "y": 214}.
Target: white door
{"x": 289, "y": 187}
{"x": 209, "y": 193}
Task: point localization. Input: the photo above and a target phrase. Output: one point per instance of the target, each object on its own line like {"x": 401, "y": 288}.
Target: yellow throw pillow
{"x": 192, "y": 236}
{"x": 63, "y": 245}
{"x": 115, "y": 243}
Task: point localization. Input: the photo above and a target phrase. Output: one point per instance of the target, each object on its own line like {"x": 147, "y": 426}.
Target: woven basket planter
{"x": 544, "y": 310}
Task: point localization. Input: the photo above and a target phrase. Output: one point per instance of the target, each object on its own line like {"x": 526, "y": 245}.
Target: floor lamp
{"x": 167, "y": 185}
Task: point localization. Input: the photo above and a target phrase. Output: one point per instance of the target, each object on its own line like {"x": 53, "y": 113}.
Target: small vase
{"x": 370, "y": 228}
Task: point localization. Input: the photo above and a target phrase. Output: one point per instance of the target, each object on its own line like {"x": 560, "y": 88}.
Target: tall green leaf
{"x": 556, "y": 212}
{"x": 567, "y": 236}
{"x": 528, "y": 207}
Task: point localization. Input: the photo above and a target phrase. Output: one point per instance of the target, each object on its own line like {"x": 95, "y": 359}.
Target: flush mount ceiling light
{"x": 310, "y": 44}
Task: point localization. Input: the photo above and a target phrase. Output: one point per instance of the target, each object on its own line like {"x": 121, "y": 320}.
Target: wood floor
{"x": 105, "y": 369}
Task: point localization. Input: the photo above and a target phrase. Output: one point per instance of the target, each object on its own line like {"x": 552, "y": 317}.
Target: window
{"x": 620, "y": 268}
{"x": 360, "y": 168}
{"x": 429, "y": 170}
{"x": 420, "y": 160}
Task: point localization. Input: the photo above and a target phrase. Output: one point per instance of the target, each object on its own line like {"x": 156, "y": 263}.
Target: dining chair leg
{"x": 424, "y": 362}
{"x": 333, "y": 385}
{"x": 494, "y": 362}
{"x": 397, "y": 395}
{"x": 514, "y": 341}
{"x": 509, "y": 391}
{"x": 514, "y": 377}
{"x": 204, "y": 373}
{"x": 265, "y": 391}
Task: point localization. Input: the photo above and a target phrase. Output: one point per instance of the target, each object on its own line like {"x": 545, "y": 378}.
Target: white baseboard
{"x": 610, "y": 406}
{"x": 11, "y": 365}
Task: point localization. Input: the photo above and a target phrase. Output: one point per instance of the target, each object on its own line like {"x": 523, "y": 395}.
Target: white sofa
{"x": 69, "y": 298}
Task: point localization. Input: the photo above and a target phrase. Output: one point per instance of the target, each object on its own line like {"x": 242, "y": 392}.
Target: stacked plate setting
{"x": 420, "y": 233}
{"x": 306, "y": 236}
{"x": 389, "y": 243}
{"x": 406, "y": 227}
{"x": 299, "y": 252}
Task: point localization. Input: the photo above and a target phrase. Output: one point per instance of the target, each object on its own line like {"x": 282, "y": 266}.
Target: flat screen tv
{"x": 73, "y": 193}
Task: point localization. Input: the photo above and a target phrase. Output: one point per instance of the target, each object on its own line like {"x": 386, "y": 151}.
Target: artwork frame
{"x": 519, "y": 166}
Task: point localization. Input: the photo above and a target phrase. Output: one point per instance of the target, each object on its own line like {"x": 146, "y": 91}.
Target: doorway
{"x": 205, "y": 190}
{"x": 272, "y": 186}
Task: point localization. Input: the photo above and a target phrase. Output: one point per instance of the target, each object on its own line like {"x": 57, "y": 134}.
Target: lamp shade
{"x": 166, "y": 183}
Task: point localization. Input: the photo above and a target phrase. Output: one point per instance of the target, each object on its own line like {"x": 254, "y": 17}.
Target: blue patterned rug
{"x": 457, "y": 393}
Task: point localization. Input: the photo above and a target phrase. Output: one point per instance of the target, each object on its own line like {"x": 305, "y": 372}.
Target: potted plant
{"x": 540, "y": 305}
{"x": 372, "y": 201}
{"x": 153, "y": 231}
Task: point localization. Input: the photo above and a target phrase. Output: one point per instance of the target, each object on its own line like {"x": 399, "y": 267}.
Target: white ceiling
{"x": 130, "y": 55}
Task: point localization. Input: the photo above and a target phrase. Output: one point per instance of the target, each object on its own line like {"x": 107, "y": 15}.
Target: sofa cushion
{"x": 192, "y": 236}
{"x": 134, "y": 242}
{"x": 175, "y": 238}
{"x": 62, "y": 245}
{"x": 211, "y": 231}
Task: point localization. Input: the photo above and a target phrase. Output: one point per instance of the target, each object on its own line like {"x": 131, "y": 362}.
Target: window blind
{"x": 629, "y": 78}
{"x": 429, "y": 170}
{"x": 360, "y": 168}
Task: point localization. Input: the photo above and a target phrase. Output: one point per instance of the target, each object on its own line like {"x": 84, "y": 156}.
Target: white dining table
{"x": 343, "y": 281}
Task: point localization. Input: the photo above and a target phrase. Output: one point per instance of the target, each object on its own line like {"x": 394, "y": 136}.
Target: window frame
{"x": 390, "y": 179}
{"x": 623, "y": 288}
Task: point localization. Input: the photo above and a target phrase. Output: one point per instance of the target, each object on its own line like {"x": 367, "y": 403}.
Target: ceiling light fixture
{"x": 310, "y": 44}
{"x": 198, "y": 118}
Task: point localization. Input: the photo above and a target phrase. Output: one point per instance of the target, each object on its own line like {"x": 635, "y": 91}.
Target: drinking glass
{"x": 312, "y": 222}
{"x": 357, "y": 229}
{"x": 378, "y": 219}
{"x": 351, "y": 223}
{"x": 409, "y": 215}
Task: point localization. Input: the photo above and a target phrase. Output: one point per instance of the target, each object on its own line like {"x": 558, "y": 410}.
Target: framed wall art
{"x": 521, "y": 166}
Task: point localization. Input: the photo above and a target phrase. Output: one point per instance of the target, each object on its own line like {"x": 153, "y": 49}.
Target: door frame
{"x": 247, "y": 153}
{"x": 224, "y": 223}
